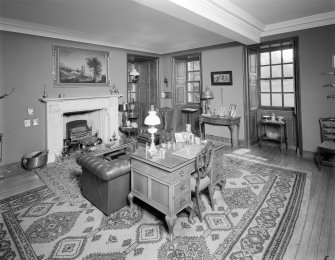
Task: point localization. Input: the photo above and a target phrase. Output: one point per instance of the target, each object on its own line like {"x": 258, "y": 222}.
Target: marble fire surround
{"x": 56, "y": 107}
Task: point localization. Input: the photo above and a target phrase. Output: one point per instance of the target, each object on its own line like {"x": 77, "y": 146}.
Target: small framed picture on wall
{"x": 222, "y": 78}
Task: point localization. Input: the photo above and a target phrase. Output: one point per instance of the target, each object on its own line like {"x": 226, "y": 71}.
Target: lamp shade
{"x": 207, "y": 94}
{"x": 152, "y": 119}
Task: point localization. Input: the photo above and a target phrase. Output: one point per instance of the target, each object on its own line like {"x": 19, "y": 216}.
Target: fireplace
{"x": 104, "y": 107}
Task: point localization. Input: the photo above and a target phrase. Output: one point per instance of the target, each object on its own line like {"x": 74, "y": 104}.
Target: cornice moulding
{"x": 12, "y": 25}
{"x": 300, "y": 24}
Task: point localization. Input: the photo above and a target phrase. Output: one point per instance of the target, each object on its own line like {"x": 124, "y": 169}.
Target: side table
{"x": 272, "y": 130}
{"x": 230, "y": 122}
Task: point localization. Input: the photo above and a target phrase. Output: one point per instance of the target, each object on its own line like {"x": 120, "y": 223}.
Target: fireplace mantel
{"x": 57, "y": 107}
{"x": 46, "y": 100}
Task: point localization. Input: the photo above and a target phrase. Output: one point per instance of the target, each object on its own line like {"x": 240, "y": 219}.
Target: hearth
{"x": 79, "y": 136}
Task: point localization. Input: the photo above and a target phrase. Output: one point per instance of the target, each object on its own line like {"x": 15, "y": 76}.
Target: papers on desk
{"x": 188, "y": 152}
{"x": 189, "y": 109}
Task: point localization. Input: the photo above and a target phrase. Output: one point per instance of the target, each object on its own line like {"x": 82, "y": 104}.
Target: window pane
{"x": 191, "y": 76}
{"x": 276, "y": 71}
{"x": 276, "y": 85}
{"x": 190, "y": 97}
{"x": 288, "y": 55}
{"x": 277, "y": 100}
{"x": 275, "y": 57}
{"x": 265, "y": 99}
{"x": 196, "y": 87}
{"x": 190, "y": 86}
{"x": 197, "y": 97}
{"x": 265, "y": 85}
{"x": 197, "y": 65}
{"x": 265, "y": 58}
{"x": 190, "y": 65}
{"x": 197, "y": 76}
{"x": 288, "y": 100}
{"x": 288, "y": 85}
{"x": 265, "y": 72}
{"x": 288, "y": 70}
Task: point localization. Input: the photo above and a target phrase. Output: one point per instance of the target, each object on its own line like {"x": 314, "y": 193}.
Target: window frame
{"x": 190, "y": 59}
{"x": 270, "y": 47}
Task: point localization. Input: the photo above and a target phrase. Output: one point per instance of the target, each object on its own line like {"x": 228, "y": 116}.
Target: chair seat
{"x": 328, "y": 145}
{"x": 326, "y": 150}
{"x": 204, "y": 182}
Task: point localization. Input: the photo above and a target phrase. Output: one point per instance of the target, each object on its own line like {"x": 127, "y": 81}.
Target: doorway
{"x": 142, "y": 90}
{"x": 187, "y": 80}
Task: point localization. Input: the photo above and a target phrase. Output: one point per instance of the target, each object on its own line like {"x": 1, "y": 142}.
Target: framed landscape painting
{"x": 222, "y": 78}
{"x": 76, "y": 67}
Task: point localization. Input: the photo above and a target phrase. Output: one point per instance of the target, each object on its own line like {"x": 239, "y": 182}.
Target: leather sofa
{"x": 106, "y": 184}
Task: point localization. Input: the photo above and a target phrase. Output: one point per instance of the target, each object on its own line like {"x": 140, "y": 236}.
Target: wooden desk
{"x": 230, "y": 122}
{"x": 164, "y": 182}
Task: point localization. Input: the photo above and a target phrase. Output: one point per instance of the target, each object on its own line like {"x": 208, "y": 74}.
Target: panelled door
{"x": 252, "y": 57}
{"x": 147, "y": 90}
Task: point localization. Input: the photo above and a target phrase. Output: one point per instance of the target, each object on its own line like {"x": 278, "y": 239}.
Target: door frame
{"x": 138, "y": 59}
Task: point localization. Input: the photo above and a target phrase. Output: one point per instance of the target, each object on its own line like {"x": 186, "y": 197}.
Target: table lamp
{"x": 207, "y": 95}
{"x": 152, "y": 120}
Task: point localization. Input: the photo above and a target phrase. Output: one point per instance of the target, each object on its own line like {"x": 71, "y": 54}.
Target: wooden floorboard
{"x": 327, "y": 218}
{"x": 319, "y": 217}
{"x": 318, "y": 235}
{"x": 19, "y": 183}
{"x": 331, "y": 241}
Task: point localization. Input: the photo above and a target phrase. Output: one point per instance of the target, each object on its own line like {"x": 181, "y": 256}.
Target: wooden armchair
{"x": 326, "y": 150}
{"x": 200, "y": 180}
{"x": 164, "y": 132}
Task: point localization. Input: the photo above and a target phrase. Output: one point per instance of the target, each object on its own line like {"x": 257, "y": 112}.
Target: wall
{"x": 27, "y": 65}
{"x": 2, "y": 90}
{"x": 316, "y": 47}
{"x": 224, "y": 58}
{"x": 217, "y": 58}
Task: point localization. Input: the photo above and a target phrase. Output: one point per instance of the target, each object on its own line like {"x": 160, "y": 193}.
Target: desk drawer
{"x": 169, "y": 177}
{"x": 181, "y": 187}
{"x": 182, "y": 201}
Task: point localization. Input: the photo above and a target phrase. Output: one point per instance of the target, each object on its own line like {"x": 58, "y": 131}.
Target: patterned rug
{"x": 254, "y": 218}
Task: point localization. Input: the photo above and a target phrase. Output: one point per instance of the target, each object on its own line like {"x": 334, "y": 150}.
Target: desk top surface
{"x": 172, "y": 158}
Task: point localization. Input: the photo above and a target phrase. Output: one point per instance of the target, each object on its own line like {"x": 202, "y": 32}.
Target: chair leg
{"x": 197, "y": 198}
{"x": 211, "y": 192}
{"x": 318, "y": 159}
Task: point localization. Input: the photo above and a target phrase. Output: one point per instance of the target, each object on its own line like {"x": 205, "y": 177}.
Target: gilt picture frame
{"x": 222, "y": 78}
{"x": 77, "y": 67}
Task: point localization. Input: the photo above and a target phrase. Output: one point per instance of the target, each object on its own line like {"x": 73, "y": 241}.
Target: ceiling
{"x": 163, "y": 26}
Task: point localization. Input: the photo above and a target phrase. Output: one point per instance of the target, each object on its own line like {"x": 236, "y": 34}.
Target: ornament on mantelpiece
{"x": 45, "y": 94}
{"x": 114, "y": 90}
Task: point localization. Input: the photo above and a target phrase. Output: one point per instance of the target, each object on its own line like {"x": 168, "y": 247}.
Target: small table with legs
{"x": 272, "y": 130}
{"x": 230, "y": 122}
